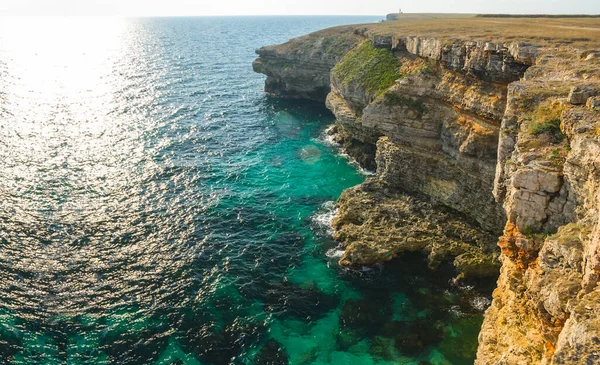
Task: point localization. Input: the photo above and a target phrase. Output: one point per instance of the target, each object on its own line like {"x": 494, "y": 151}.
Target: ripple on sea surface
{"x": 156, "y": 207}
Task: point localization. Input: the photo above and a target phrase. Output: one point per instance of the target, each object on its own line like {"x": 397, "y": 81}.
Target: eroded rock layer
{"x": 471, "y": 140}
{"x": 435, "y": 132}
{"x": 376, "y": 222}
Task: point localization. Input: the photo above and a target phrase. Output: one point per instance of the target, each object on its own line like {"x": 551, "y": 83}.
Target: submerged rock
{"x": 287, "y": 299}
{"x": 364, "y": 314}
{"x": 421, "y": 334}
{"x": 272, "y": 353}
{"x": 382, "y": 348}
{"x": 347, "y": 338}
{"x": 310, "y": 154}
{"x": 459, "y": 342}
{"x": 219, "y": 347}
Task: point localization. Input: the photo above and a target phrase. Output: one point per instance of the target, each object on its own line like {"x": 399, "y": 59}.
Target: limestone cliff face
{"x": 506, "y": 136}
{"x": 548, "y": 182}
{"x": 435, "y": 130}
{"x": 442, "y": 116}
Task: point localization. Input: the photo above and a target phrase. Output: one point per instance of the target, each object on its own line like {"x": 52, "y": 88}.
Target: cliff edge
{"x": 478, "y": 128}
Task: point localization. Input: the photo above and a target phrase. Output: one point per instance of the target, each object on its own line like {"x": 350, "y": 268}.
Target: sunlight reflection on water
{"x": 155, "y": 206}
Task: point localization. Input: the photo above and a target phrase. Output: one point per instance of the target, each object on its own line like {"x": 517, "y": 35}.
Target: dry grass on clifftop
{"x": 537, "y": 30}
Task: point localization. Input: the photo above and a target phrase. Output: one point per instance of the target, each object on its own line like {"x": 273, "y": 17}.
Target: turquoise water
{"x": 157, "y": 208}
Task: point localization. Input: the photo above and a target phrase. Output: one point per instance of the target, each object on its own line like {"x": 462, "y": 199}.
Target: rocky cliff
{"x": 300, "y": 68}
{"x": 547, "y": 179}
{"x": 471, "y": 139}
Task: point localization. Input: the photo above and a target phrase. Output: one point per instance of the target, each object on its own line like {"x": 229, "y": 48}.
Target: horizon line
{"x": 263, "y": 15}
{"x": 184, "y": 15}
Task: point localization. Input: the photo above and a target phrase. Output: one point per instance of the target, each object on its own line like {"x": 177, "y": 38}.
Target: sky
{"x": 291, "y": 7}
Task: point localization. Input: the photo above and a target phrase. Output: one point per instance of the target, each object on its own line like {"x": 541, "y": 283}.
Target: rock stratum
{"x": 477, "y": 129}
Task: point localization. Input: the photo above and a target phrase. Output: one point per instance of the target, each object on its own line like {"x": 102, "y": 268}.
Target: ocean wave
{"x": 335, "y": 253}
{"x": 324, "y": 216}
{"x": 328, "y": 138}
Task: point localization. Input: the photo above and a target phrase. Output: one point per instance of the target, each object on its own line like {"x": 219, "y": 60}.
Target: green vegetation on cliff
{"x": 415, "y": 105}
{"x": 339, "y": 44}
{"x": 373, "y": 69}
{"x": 547, "y": 121}
{"x": 551, "y": 126}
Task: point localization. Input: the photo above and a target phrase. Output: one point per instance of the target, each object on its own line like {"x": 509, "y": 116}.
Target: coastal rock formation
{"x": 375, "y": 223}
{"x": 471, "y": 140}
{"x": 300, "y": 68}
{"x": 443, "y": 121}
{"x": 432, "y": 116}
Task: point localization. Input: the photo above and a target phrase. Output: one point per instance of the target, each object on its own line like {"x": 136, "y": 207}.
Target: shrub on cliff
{"x": 372, "y": 69}
{"x": 549, "y": 126}
{"x": 546, "y": 120}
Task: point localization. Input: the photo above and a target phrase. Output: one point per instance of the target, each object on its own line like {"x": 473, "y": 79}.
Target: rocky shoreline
{"x": 471, "y": 140}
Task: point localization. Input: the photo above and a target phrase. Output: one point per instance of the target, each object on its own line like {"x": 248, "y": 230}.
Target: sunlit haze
{"x": 278, "y": 7}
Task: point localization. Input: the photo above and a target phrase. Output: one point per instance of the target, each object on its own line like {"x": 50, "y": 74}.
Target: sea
{"x": 157, "y": 207}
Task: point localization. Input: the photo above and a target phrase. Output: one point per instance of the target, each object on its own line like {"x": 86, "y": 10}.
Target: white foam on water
{"x": 325, "y": 215}
{"x": 335, "y": 253}
{"x": 328, "y": 138}
{"x": 480, "y": 303}
{"x": 355, "y": 163}
{"x": 323, "y": 219}
{"x": 456, "y": 312}
{"x": 466, "y": 287}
